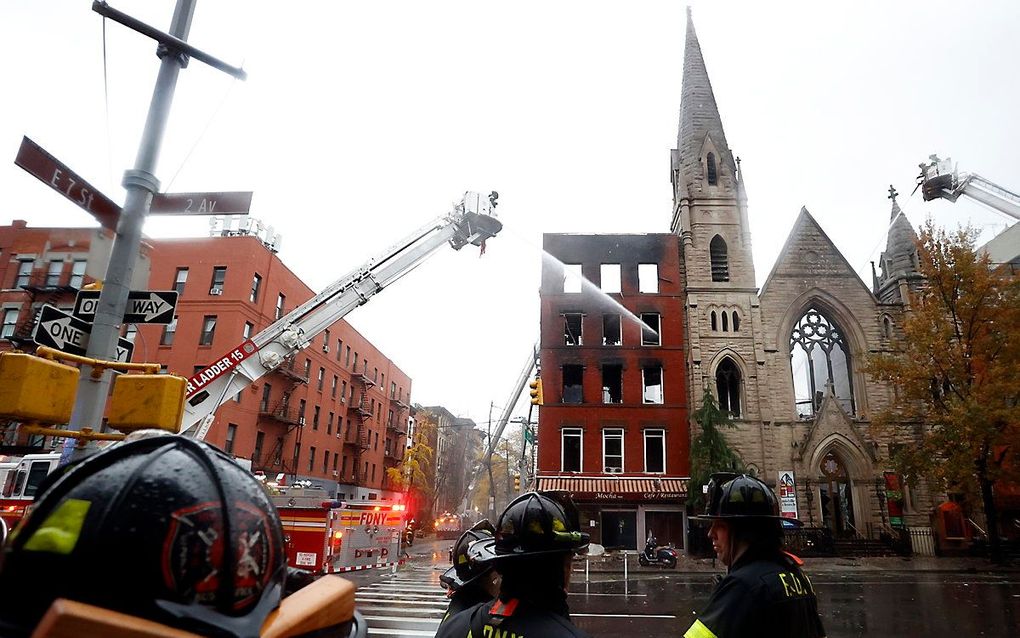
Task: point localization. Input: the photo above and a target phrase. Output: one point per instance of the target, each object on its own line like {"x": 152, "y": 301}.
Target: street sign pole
{"x": 140, "y": 184}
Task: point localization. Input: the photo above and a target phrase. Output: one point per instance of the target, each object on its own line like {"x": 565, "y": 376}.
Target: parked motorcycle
{"x": 655, "y": 554}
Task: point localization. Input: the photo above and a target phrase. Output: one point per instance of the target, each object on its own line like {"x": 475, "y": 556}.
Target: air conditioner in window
{"x": 216, "y": 290}
{"x": 614, "y": 470}
{"x": 335, "y": 474}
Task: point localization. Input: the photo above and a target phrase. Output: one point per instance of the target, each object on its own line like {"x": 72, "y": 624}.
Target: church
{"x": 785, "y": 359}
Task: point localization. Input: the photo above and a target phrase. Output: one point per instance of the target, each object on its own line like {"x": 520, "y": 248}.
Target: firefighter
{"x": 537, "y": 536}
{"x": 765, "y": 592}
{"x": 471, "y": 579}
{"x": 167, "y": 529}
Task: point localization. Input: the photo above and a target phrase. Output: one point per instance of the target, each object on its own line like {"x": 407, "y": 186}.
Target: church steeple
{"x": 702, "y": 158}
{"x": 899, "y": 261}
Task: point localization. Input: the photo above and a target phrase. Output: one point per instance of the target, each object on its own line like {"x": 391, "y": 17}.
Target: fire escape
{"x": 41, "y": 289}
{"x": 362, "y": 438}
{"x": 286, "y": 418}
{"x": 396, "y": 424}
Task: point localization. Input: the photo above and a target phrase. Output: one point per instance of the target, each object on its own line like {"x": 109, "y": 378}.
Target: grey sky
{"x": 361, "y": 121}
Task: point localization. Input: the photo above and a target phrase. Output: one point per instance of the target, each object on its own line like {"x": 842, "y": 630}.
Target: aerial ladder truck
{"x": 939, "y": 179}
{"x": 472, "y": 221}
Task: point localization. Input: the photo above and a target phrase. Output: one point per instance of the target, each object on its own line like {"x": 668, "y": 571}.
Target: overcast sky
{"x": 361, "y": 121}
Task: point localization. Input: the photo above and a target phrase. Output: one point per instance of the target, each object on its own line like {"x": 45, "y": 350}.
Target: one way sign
{"x": 143, "y": 306}
{"x": 59, "y": 330}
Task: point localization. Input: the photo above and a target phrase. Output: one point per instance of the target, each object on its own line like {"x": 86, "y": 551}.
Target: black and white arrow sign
{"x": 143, "y": 306}
{"x": 59, "y": 330}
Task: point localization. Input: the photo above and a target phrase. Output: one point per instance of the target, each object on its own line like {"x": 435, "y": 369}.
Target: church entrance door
{"x": 836, "y": 497}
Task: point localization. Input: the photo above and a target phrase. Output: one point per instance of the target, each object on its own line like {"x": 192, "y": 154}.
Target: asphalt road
{"x": 661, "y": 603}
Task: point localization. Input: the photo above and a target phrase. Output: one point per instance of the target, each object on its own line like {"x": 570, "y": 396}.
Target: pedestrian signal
{"x": 536, "y": 392}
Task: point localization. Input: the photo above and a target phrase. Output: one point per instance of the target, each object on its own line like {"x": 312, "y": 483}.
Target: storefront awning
{"x": 672, "y": 490}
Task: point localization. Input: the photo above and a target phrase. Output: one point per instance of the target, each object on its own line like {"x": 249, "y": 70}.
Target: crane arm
{"x": 471, "y": 222}
{"x": 940, "y": 179}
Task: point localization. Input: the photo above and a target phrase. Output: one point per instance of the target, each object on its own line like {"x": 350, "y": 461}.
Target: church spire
{"x": 899, "y": 261}
{"x": 699, "y": 116}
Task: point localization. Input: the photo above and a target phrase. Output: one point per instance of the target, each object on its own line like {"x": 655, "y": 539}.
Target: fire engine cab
{"x": 326, "y": 536}
{"x": 20, "y": 479}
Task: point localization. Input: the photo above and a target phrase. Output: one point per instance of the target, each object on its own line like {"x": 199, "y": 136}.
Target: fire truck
{"x": 20, "y": 479}
{"x": 448, "y": 526}
{"x": 326, "y": 536}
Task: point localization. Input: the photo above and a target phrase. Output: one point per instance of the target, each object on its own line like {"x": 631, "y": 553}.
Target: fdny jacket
{"x": 761, "y": 597}
{"x": 513, "y": 618}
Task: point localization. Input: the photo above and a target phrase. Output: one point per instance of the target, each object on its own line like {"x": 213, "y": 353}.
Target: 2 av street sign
{"x": 59, "y": 330}
{"x": 143, "y": 306}
{"x": 229, "y": 203}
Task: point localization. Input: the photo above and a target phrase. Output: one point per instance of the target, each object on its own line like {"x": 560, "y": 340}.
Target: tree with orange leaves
{"x": 956, "y": 370}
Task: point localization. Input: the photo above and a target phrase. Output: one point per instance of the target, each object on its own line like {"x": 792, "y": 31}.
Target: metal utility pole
{"x": 488, "y": 462}
{"x": 141, "y": 184}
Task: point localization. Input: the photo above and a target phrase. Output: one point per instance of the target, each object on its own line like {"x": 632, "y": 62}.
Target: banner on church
{"x": 787, "y": 489}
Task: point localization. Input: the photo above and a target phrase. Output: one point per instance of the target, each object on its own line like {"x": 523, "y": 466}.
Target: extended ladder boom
{"x": 939, "y": 179}
{"x": 471, "y": 222}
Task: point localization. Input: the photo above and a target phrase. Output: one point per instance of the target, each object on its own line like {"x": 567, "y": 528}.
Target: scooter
{"x": 657, "y": 555}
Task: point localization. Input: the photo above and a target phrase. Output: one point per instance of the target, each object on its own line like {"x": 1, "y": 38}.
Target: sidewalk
{"x": 613, "y": 563}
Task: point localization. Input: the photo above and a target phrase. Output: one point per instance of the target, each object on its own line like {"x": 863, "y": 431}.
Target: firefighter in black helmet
{"x": 471, "y": 579}
{"x": 167, "y": 529}
{"x": 765, "y": 592}
{"x": 537, "y": 536}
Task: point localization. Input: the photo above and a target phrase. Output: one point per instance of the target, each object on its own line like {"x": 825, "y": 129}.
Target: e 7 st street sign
{"x": 59, "y": 330}
{"x": 143, "y": 306}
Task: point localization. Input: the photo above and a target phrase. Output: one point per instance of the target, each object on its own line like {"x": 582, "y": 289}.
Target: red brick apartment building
{"x": 613, "y": 429}
{"x": 336, "y": 414}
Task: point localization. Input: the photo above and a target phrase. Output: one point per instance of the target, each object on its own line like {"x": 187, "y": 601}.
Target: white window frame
{"x": 644, "y": 448}
{"x": 614, "y": 433}
{"x": 649, "y": 282}
{"x": 78, "y": 267}
{"x": 25, "y": 268}
{"x": 8, "y": 312}
{"x": 610, "y": 272}
{"x": 54, "y": 272}
{"x": 662, "y": 385}
{"x": 572, "y": 431}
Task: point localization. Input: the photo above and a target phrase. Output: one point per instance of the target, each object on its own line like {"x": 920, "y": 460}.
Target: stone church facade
{"x": 786, "y": 359}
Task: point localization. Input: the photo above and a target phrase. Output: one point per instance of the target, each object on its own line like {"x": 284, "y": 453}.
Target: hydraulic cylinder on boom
{"x": 472, "y": 221}
{"x": 939, "y": 179}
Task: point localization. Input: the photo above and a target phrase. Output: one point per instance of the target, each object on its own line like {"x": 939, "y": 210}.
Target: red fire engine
{"x": 20, "y": 479}
{"x": 326, "y": 536}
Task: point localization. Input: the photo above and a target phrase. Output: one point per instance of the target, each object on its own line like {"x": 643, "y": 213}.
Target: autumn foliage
{"x": 955, "y": 371}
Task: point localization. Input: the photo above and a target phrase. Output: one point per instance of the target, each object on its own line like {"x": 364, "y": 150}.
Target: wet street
{"x": 853, "y": 604}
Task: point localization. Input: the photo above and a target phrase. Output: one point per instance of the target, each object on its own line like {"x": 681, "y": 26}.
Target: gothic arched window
{"x": 717, "y": 255}
{"x": 725, "y": 321}
{"x": 713, "y": 174}
{"x": 736, "y": 321}
{"x": 712, "y": 317}
{"x": 819, "y": 355}
{"x": 727, "y": 385}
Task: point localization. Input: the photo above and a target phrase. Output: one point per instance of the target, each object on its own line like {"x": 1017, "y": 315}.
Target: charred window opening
{"x": 572, "y": 329}
{"x": 611, "y": 334}
{"x": 713, "y": 174}
{"x": 609, "y": 277}
{"x": 650, "y": 329}
{"x": 651, "y": 379}
{"x": 612, "y": 384}
{"x": 573, "y": 376}
{"x": 717, "y": 252}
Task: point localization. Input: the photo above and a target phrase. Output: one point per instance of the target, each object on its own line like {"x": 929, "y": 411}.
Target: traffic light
{"x": 536, "y": 392}
{"x": 517, "y": 483}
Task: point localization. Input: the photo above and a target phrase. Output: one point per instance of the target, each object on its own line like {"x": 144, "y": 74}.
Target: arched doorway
{"x": 835, "y": 493}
